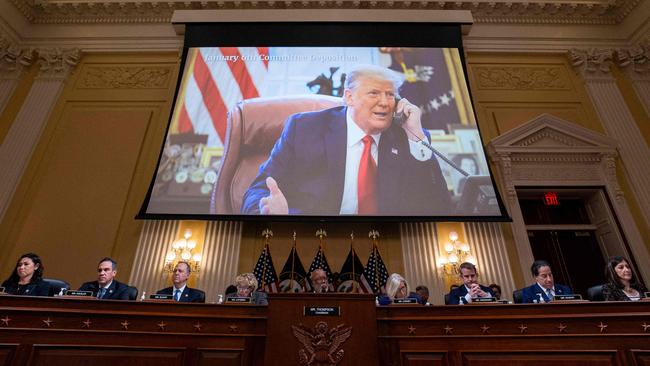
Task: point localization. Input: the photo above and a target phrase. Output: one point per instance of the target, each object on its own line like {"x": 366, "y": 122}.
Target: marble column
{"x": 420, "y": 251}
{"x": 594, "y": 66}
{"x": 148, "y": 274}
{"x": 635, "y": 63}
{"x": 486, "y": 240}
{"x": 25, "y": 131}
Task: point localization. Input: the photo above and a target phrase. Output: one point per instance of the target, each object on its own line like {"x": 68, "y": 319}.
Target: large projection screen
{"x": 266, "y": 124}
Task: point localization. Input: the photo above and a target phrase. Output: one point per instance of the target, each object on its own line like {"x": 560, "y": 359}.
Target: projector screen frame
{"x": 351, "y": 34}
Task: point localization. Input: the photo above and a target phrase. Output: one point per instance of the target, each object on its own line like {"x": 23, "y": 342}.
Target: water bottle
{"x": 220, "y": 299}
{"x": 460, "y": 300}
{"x": 144, "y": 295}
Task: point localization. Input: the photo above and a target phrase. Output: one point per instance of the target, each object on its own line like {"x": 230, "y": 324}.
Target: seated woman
{"x": 246, "y": 284}
{"x": 397, "y": 288}
{"x": 27, "y": 278}
{"x": 622, "y": 284}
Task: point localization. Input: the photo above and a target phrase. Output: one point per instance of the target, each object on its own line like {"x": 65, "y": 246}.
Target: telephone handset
{"x": 398, "y": 118}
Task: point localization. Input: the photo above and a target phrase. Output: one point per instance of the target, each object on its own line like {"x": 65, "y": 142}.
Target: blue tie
{"x": 101, "y": 293}
{"x": 177, "y": 295}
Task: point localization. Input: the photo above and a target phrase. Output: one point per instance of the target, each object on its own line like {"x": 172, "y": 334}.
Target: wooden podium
{"x": 321, "y": 330}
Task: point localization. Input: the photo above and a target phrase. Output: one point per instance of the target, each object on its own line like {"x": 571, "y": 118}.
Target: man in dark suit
{"x": 545, "y": 287}
{"x": 353, "y": 159}
{"x": 180, "y": 291}
{"x": 106, "y": 287}
{"x": 471, "y": 289}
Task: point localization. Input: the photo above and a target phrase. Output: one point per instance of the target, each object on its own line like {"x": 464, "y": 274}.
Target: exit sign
{"x": 550, "y": 199}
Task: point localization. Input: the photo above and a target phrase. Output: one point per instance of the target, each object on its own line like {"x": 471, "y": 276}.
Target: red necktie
{"x": 366, "y": 184}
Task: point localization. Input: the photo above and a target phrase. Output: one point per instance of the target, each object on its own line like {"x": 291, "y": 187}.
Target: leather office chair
{"x": 253, "y": 127}
{"x": 56, "y": 286}
{"x": 595, "y": 293}
{"x": 133, "y": 293}
{"x": 517, "y": 297}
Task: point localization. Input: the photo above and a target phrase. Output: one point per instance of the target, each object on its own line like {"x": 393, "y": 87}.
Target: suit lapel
{"x": 185, "y": 294}
{"x": 335, "y": 146}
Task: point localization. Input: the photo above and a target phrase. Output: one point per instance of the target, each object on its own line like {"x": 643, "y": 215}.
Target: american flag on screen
{"x": 265, "y": 273}
{"x": 375, "y": 274}
{"x": 216, "y": 80}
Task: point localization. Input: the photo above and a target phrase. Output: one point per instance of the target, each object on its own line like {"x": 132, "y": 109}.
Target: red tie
{"x": 366, "y": 184}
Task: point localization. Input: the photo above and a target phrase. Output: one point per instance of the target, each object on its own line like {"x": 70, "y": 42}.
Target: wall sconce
{"x": 457, "y": 253}
{"x": 182, "y": 250}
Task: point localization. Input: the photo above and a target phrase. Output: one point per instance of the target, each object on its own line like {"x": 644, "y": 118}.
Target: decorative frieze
{"x": 564, "y": 12}
{"x": 521, "y": 78}
{"x": 125, "y": 77}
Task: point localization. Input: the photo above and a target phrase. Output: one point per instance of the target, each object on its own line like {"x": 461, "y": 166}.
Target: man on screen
{"x": 353, "y": 159}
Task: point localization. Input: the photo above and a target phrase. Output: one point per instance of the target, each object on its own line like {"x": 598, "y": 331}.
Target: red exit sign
{"x": 550, "y": 199}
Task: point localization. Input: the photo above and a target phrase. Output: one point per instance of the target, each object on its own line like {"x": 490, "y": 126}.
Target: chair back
{"x": 595, "y": 293}
{"x": 56, "y": 286}
{"x": 133, "y": 293}
{"x": 201, "y": 296}
{"x": 446, "y": 299}
{"x": 517, "y": 296}
{"x": 254, "y": 126}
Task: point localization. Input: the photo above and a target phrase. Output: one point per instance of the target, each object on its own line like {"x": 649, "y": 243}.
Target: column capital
{"x": 592, "y": 64}
{"x": 57, "y": 63}
{"x": 635, "y": 61}
{"x": 13, "y": 59}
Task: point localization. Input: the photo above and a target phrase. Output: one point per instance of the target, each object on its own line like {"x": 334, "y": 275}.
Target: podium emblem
{"x": 321, "y": 345}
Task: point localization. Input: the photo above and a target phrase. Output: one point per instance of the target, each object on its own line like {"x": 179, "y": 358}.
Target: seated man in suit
{"x": 471, "y": 289}
{"x": 180, "y": 291}
{"x": 319, "y": 281}
{"x": 545, "y": 288}
{"x": 106, "y": 287}
{"x": 353, "y": 159}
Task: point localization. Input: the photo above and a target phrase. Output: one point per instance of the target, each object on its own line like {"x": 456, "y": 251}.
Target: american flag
{"x": 265, "y": 273}
{"x": 320, "y": 261}
{"x": 292, "y": 277}
{"x": 375, "y": 275}
{"x": 351, "y": 275}
{"x": 216, "y": 79}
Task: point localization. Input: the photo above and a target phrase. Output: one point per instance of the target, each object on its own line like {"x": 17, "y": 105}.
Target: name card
{"x": 161, "y": 297}
{"x": 238, "y": 300}
{"x": 405, "y": 301}
{"x": 567, "y": 297}
{"x": 79, "y": 293}
{"x": 2, "y": 290}
{"x": 322, "y": 311}
{"x": 647, "y": 294}
{"x": 481, "y": 300}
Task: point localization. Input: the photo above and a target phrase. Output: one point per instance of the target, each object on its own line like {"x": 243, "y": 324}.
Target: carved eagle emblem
{"x": 321, "y": 344}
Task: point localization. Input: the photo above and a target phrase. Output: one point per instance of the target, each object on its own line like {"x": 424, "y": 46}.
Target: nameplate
{"x": 2, "y": 290}
{"x": 571, "y": 297}
{"x": 481, "y": 300}
{"x": 647, "y": 294}
{"x": 322, "y": 311}
{"x": 79, "y": 293}
{"x": 238, "y": 300}
{"x": 405, "y": 301}
{"x": 161, "y": 297}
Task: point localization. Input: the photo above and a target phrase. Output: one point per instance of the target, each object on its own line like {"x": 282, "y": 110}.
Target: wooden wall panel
{"x": 7, "y": 352}
{"x": 424, "y": 359}
{"x": 640, "y": 357}
{"x": 221, "y": 357}
{"x": 549, "y": 357}
{"x": 53, "y": 355}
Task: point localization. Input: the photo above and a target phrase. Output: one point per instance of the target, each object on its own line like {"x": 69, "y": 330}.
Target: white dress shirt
{"x": 355, "y": 135}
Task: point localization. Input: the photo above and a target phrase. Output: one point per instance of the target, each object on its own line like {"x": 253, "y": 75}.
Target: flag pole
{"x": 293, "y": 258}
{"x": 374, "y": 234}
{"x": 354, "y": 278}
{"x": 266, "y": 234}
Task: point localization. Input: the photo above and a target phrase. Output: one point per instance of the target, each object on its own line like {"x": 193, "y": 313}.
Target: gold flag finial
{"x": 352, "y": 236}
{"x": 267, "y": 233}
{"x": 320, "y": 233}
{"x": 374, "y": 234}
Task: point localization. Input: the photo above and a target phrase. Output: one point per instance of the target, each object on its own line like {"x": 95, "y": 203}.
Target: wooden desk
{"x": 575, "y": 334}
{"x": 60, "y": 331}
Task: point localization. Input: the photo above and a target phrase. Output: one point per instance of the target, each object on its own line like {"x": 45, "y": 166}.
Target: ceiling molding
{"x": 576, "y": 12}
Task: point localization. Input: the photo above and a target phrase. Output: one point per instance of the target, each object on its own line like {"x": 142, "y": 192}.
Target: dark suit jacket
{"x": 611, "y": 292}
{"x": 458, "y": 294}
{"x": 188, "y": 294}
{"x": 117, "y": 290}
{"x": 36, "y": 288}
{"x": 530, "y": 293}
{"x": 308, "y": 162}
